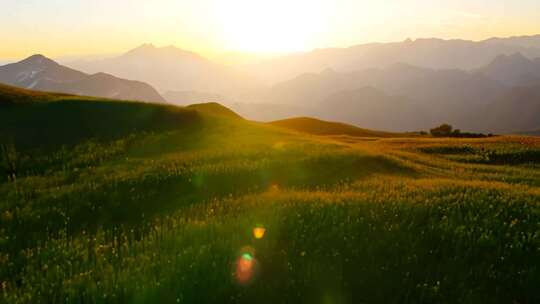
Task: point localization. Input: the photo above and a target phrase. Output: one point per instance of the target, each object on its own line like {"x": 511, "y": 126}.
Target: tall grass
{"x": 167, "y": 216}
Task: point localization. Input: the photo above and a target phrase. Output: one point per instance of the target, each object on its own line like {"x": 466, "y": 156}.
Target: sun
{"x": 270, "y": 26}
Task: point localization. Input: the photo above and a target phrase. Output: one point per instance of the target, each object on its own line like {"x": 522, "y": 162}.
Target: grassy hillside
{"x": 35, "y": 119}
{"x": 213, "y": 108}
{"x": 203, "y": 208}
{"x": 321, "y": 127}
{"x": 10, "y": 95}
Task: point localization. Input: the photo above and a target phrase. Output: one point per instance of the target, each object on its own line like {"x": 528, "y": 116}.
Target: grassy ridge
{"x": 164, "y": 214}
{"x": 321, "y": 127}
{"x": 51, "y": 120}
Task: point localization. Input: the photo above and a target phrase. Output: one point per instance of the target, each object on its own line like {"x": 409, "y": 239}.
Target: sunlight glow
{"x": 271, "y": 26}
{"x": 217, "y": 27}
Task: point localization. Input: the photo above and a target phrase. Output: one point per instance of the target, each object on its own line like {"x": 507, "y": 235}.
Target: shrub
{"x": 442, "y": 130}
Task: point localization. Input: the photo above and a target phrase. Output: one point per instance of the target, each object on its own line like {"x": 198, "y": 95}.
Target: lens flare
{"x": 258, "y": 232}
{"x": 246, "y": 267}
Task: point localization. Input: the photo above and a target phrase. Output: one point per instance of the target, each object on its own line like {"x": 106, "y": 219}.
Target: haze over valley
{"x": 402, "y": 86}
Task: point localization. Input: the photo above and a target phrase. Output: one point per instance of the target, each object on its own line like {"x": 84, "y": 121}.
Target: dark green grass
{"x": 137, "y": 203}
{"x": 70, "y": 121}
{"x": 501, "y": 154}
{"x": 377, "y": 241}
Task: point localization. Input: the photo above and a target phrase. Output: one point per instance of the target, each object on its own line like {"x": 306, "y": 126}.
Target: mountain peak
{"x": 37, "y": 57}
{"x": 149, "y": 49}
{"x": 142, "y": 49}
{"x": 39, "y": 60}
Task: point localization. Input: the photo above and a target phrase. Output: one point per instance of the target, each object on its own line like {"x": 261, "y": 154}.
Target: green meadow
{"x": 115, "y": 202}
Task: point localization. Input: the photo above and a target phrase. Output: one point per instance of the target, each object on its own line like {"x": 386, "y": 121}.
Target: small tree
{"x": 442, "y": 130}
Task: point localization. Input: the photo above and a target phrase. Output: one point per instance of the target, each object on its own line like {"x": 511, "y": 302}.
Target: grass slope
{"x": 321, "y": 127}
{"x": 214, "y": 108}
{"x": 10, "y": 95}
{"x": 162, "y": 215}
{"x": 30, "y": 118}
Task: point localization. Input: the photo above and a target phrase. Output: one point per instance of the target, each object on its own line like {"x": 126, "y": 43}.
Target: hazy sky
{"x": 71, "y": 27}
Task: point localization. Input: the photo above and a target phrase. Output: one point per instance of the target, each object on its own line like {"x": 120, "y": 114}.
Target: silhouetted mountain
{"x": 429, "y": 53}
{"x": 171, "y": 69}
{"x": 513, "y": 70}
{"x": 523, "y": 41}
{"x": 443, "y": 95}
{"x": 31, "y": 71}
{"x": 373, "y": 109}
{"x": 43, "y": 74}
{"x": 404, "y": 86}
{"x": 515, "y": 111}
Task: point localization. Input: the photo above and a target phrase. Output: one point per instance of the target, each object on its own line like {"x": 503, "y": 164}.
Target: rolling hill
{"x": 321, "y": 127}
{"x": 215, "y": 109}
{"x": 41, "y": 73}
{"x": 30, "y": 118}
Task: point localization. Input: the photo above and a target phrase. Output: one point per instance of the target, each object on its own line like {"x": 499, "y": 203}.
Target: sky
{"x": 59, "y": 28}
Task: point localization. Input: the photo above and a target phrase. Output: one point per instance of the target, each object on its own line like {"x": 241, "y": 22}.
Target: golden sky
{"x": 74, "y": 27}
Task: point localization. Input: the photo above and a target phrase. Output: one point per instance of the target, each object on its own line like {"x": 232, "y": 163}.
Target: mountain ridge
{"x": 172, "y": 69}
{"x": 432, "y": 53}
{"x": 513, "y": 70}
{"x": 44, "y": 74}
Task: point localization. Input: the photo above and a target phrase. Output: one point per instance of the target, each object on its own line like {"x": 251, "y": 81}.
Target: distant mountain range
{"x": 513, "y": 70}
{"x": 41, "y": 73}
{"x": 427, "y": 53}
{"x": 515, "y": 111}
{"x": 402, "y": 97}
{"x": 172, "y": 69}
{"x": 485, "y": 86}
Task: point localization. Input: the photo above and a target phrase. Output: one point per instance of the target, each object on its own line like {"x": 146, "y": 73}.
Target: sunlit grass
{"x": 240, "y": 212}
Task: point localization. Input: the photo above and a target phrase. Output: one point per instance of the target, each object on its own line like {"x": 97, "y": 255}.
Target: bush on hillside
{"x": 446, "y": 130}
{"x": 442, "y": 130}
